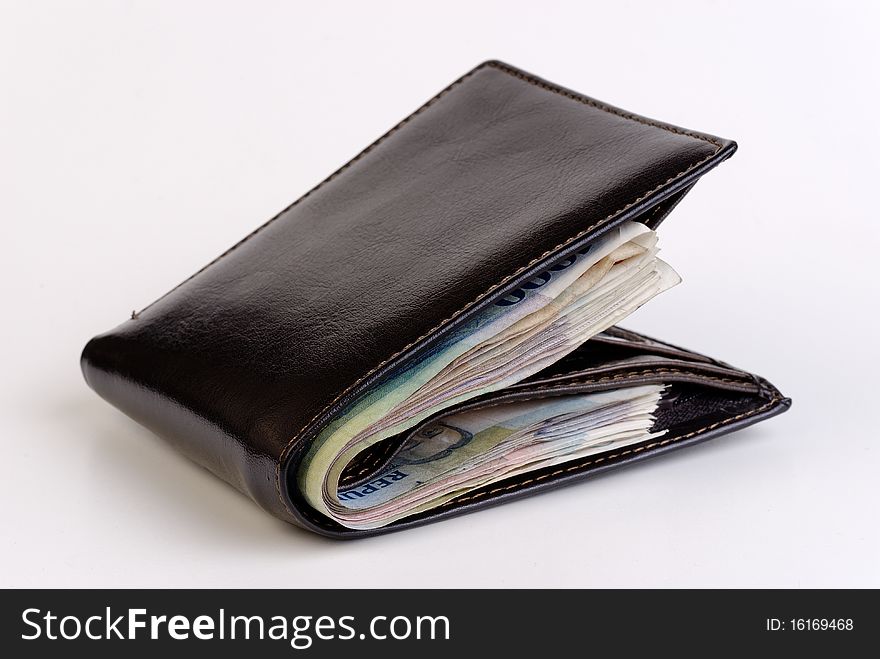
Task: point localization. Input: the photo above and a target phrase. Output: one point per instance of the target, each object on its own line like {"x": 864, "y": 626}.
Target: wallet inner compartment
{"x": 700, "y": 392}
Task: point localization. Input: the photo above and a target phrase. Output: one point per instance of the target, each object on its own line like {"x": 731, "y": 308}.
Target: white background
{"x": 139, "y": 140}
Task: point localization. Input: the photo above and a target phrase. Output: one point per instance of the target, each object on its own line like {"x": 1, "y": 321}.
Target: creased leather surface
{"x": 498, "y": 174}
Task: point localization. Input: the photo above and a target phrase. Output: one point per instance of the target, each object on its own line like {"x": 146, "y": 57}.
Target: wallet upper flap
{"x": 466, "y": 198}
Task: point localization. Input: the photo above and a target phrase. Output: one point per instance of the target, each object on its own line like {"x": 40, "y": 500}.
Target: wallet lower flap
{"x": 703, "y": 398}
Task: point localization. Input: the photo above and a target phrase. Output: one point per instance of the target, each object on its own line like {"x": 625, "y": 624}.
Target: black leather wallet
{"x": 492, "y": 181}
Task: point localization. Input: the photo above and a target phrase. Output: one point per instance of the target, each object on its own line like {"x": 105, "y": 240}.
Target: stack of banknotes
{"x": 519, "y": 335}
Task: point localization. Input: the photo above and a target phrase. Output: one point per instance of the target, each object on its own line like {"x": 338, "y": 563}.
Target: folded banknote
{"x": 524, "y": 332}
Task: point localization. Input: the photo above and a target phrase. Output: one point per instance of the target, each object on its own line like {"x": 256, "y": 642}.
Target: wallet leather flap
{"x": 704, "y": 398}
{"x": 460, "y": 202}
